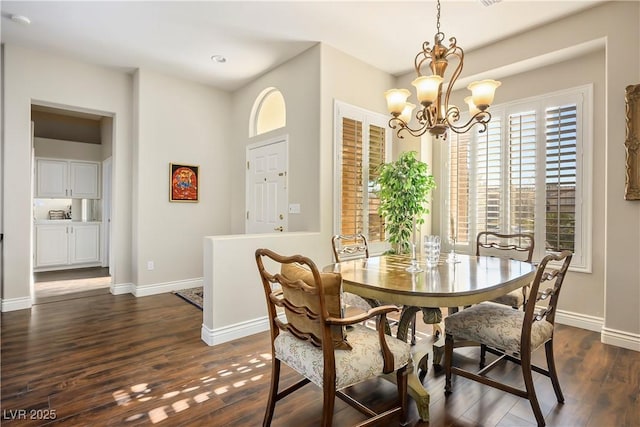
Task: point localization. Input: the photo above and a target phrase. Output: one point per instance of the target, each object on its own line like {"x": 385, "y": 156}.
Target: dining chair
{"x": 351, "y": 246}
{"x": 354, "y": 246}
{"x": 515, "y": 333}
{"x": 518, "y": 246}
{"x": 315, "y": 342}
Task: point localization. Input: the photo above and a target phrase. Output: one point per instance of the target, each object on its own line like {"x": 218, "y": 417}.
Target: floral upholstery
{"x": 512, "y": 299}
{"x": 362, "y": 362}
{"x": 353, "y": 300}
{"x": 495, "y": 325}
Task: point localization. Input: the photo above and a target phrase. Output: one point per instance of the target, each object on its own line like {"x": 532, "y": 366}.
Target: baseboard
{"x": 13, "y": 304}
{"x": 160, "y": 288}
{"x": 582, "y": 321}
{"x": 620, "y": 339}
{"x": 231, "y": 332}
{"x": 122, "y": 288}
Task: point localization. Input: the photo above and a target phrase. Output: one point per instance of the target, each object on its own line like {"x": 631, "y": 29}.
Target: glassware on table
{"x": 414, "y": 267}
{"x": 432, "y": 250}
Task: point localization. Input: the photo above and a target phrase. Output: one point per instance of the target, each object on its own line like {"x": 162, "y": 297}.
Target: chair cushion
{"x": 512, "y": 299}
{"x": 496, "y": 325}
{"x": 332, "y": 283}
{"x": 354, "y": 300}
{"x": 364, "y": 361}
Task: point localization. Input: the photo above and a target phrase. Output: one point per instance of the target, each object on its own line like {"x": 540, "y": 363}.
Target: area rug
{"x": 191, "y": 295}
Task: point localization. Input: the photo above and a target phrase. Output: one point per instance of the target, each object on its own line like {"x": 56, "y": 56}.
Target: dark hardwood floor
{"x": 105, "y": 360}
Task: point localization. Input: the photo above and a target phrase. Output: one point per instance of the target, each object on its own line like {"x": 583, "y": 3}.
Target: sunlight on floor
{"x": 236, "y": 375}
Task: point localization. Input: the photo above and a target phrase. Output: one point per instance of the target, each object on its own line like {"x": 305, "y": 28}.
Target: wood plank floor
{"x": 105, "y": 360}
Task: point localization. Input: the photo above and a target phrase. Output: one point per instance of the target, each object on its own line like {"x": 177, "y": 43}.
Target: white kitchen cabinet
{"x": 84, "y": 243}
{"x": 67, "y": 245}
{"x": 56, "y": 178}
{"x": 52, "y": 245}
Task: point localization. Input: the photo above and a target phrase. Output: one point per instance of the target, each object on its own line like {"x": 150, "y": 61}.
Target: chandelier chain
{"x": 438, "y": 17}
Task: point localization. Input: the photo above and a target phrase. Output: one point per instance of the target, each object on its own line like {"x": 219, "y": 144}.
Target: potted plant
{"x": 404, "y": 188}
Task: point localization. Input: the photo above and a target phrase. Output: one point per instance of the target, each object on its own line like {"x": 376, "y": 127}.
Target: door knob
{"x": 281, "y": 228}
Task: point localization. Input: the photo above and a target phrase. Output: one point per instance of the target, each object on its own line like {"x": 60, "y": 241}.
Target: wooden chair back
{"x": 518, "y": 246}
{"x": 346, "y": 246}
{"x": 550, "y": 275}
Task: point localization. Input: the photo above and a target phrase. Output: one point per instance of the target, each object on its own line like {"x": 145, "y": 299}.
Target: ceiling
{"x": 179, "y": 37}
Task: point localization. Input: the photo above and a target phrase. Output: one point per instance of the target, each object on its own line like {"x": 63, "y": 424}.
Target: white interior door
{"x": 267, "y": 187}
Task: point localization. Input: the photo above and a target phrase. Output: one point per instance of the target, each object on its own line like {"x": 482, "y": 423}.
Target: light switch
{"x": 294, "y": 208}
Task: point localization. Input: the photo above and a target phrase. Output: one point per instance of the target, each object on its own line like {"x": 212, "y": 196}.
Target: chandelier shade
{"x": 435, "y": 114}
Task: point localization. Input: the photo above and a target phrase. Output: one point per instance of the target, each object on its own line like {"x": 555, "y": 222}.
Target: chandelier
{"x": 436, "y": 115}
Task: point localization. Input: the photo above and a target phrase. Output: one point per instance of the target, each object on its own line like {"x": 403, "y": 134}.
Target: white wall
{"x": 187, "y": 123}
{"x": 234, "y": 301}
{"x": 38, "y": 76}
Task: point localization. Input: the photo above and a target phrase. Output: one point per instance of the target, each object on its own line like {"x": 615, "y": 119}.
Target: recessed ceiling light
{"x": 219, "y": 59}
{"x": 21, "y": 19}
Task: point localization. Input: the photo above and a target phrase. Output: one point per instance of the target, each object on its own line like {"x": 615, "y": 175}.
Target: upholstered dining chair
{"x": 518, "y": 246}
{"x": 314, "y": 341}
{"x": 351, "y": 246}
{"x": 354, "y": 246}
{"x": 515, "y": 333}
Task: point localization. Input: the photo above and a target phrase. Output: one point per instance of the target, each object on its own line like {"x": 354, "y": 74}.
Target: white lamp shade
{"x": 427, "y": 88}
{"x": 473, "y": 110}
{"x": 405, "y": 116}
{"x": 482, "y": 92}
{"x": 396, "y": 100}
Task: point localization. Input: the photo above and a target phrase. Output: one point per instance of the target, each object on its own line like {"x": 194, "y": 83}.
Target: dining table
{"x": 457, "y": 280}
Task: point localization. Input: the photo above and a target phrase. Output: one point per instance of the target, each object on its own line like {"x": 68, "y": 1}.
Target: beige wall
{"x": 618, "y": 227}
{"x": 38, "y": 76}
{"x": 45, "y": 147}
{"x": 178, "y": 122}
{"x": 349, "y": 80}
{"x": 297, "y": 80}
{"x": 611, "y": 293}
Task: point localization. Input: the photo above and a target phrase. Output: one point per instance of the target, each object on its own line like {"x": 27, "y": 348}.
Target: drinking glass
{"x": 432, "y": 250}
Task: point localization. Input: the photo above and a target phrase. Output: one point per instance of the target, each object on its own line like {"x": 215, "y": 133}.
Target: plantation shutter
{"x": 561, "y": 177}
{"x": 489, "y": 177}
{"x": 530, "y": 173}
{"x": 459, "y": 188}
{"x": 376, "y": 158}
{"x": 522, "y": 172}
{"x": 352, "y": 190}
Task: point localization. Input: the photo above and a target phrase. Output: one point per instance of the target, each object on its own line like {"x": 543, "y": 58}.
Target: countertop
{"x": 63, "y": 221}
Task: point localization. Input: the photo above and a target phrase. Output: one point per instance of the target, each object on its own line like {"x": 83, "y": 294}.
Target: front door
{"x": 267, "y": 196}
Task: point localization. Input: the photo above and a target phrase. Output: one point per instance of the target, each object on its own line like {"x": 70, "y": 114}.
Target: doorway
{"x": 72, "y": 150}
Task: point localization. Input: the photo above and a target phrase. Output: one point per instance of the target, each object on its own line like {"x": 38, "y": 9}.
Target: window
{"x": 362, "y": 145}
{"x": 269, "y": 112}
{"x": 529, "y": 172}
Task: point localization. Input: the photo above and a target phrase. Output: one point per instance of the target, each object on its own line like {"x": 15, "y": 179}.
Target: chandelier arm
{"x": 402, "y": 126}
{"x": 481, "y": 118}
{"x": 426, "y": 55}
{"x": 458, "y": 53}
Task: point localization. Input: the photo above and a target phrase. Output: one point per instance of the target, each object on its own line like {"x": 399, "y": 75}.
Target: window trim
{"x": 341, "y": 110}
{"x": 583, "y": 261}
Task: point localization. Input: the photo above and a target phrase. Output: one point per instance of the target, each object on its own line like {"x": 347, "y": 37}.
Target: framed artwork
{"x": 183, "y": 185}
{"x": 632, "y": 142}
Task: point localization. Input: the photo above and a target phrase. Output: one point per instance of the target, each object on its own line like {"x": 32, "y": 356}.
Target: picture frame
{"x": 184, "y": 183}
{"x": 632, "y": 142}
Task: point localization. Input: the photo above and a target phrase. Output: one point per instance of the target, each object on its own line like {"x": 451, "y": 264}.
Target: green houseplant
{"x": 404, "y": 188}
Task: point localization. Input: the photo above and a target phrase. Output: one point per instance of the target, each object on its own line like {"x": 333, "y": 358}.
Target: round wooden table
{"x": 470, "y": 280}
